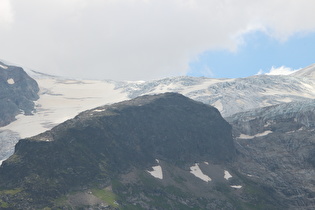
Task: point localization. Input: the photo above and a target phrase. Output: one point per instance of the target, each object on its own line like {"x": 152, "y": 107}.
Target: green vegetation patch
{"x": 4, "y": 204}
{"x": 10, "y": 192}
{"x": 106, "y": 195}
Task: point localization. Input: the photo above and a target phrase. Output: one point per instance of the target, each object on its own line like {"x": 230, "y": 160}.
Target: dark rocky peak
{"x": 18, "y": 91}
{"x": 102, "y": 143}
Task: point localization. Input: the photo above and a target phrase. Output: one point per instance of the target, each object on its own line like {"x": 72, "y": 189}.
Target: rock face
{"x": 100, "y": 144}
{"x": 18, "y": 91}
{"x": 277, "y": 147}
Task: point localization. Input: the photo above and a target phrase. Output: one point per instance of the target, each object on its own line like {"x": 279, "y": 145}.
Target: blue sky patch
{"x": 258, "y": 52}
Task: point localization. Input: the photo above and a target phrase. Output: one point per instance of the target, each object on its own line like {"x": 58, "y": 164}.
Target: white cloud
{"x": 282, "y": 70}
{"x": 137, "y": 39}
{"x": 6, "y": 14}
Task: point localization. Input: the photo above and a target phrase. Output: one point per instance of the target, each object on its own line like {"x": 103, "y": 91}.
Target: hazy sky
{"x": 152, "y": 39}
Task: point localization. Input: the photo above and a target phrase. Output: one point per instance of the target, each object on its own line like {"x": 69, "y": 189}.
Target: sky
{"x": 153, "y": 39}
{"x": 260, "y": 54}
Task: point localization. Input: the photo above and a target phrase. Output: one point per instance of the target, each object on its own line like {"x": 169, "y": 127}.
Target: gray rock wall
{"x": 18, "y": 91}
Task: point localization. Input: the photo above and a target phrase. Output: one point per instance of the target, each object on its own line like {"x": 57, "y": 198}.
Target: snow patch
{"x": 285, "y": 100}
{"x": 98, "y": 110}
{"x": 244, "y": 136}
{"x": 218, "y": 105}
{"x": 10, "y": 81}
{"x": 195, "y": 170}
{"x": 4, "y": 67}
{"x": 227, "y": 175}
{"x": 267, "y": 124}
{"x": 236, "y": 186}
{"x": 157, "y": 171}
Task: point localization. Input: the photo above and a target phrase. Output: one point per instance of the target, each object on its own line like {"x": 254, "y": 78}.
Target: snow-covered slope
{"x": 61, "y": 100}
{"x": 308, "y": 72}
{"x": 230, "y": 96}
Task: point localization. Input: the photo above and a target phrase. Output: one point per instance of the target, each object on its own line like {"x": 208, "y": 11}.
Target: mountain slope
{"x": 99, "y": 145}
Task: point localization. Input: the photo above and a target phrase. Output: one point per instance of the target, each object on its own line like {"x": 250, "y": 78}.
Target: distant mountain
{"x": 231, "y": 96}
{"x": 18, "y": 91}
